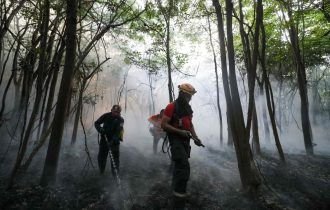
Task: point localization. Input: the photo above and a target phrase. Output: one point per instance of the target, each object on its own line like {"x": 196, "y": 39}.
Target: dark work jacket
{"x": 112, "y": 125}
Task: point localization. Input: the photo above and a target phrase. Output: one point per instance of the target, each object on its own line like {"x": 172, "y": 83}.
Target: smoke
{"x": 141, "y": 170}
{"x": 137, "y": 101}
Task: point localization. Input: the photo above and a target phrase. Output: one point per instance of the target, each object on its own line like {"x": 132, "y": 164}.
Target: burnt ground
{"x": 303, "y": 183}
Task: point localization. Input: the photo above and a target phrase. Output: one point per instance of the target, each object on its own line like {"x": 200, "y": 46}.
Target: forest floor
{"x": 303, "y": 183}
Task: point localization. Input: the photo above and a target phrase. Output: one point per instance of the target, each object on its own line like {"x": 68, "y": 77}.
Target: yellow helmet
{"x": 187, "y": 88}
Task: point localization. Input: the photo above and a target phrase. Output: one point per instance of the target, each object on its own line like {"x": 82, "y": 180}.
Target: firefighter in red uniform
{"x": 156, "y": 130}
{"x": 177, "y": 122}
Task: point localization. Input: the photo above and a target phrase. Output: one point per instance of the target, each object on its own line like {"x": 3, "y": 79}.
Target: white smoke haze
{"x": 136, "y": 91}
{"x": 136, "y": 102}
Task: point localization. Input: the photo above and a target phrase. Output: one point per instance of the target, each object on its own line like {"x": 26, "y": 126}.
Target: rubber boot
{"x": 179, "y": 203}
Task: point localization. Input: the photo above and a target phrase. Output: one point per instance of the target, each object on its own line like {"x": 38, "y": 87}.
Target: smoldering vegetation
{"x": 145, "y": 180}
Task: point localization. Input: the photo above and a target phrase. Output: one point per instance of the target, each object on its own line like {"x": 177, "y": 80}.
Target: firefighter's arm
{"x": 194, "y": 136}
{"x": 98, "y": 123}
{"x": 121, "y": 133}
{"x": 193, "y": 132}
{"x": 171, "y": 129}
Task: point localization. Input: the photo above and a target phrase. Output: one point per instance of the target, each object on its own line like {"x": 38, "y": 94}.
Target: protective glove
{"x": 185, "y": 133}
{"x": 109, "y": 144}
{"x": 102, "y": 131}
{"x": 198, "y": 143}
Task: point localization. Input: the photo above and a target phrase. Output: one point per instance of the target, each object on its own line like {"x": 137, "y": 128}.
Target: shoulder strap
{"x": 176, "y": 118}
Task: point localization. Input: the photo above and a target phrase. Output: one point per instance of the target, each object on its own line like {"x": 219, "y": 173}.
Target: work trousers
{"x": 155, "y": 144}
{"x": 103, "y": 155}
{"x": 180, "y": 150}
{"x": 157, "y": 135}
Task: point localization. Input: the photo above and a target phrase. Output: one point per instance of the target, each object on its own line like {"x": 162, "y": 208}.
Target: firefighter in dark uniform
{"x": 110, "y": 126}
{"x": 177, "y": 122}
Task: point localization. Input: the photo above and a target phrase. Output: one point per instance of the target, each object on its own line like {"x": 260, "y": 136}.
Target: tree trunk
{"x": 55, "y": 70}
{"x": 280, "y": 103}
{"x": 255, "y": 132}
{"x": 302, "y": 85}
{"x": 18, "y": 77}
{"x": 12, "y": 76}
{"x": 316, "y": 102}
{"x": 168, "y": 55}
{"x": 28, "y": 65}
{"x": 250, "y": 178}
{"x": 78, "y": 112}
{"x": 271, "y": 111}
{"x": 230, "y": 142}
{"x": 47, "y": 57}
{"x": 39, "y": 92}
{"x": 152, "y": 104}
{"x": 269, "y": 95}
{"x": 216, "y": 81}
{"x": 53, "y": 151}
{"x": 250, "y": 56}
{"x": 264, "y": 113}
{"x": 5, "y": 22}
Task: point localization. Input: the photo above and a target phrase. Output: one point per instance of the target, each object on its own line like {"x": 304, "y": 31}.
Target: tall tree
{"x": 39, "y": 89}
{"x": 7, "y": 13}
{"x": 167, "y": 13}
{"x": 301, "y": 79}
{"x": 53, "y": 151}
{"x": 250, "y": 177}
{"x": 216, "y": 77}
{"x": 250, "y": 57}
{"x": 269, "y": 93}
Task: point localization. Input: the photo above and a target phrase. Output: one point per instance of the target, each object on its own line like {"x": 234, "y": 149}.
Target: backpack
{"x": 175, "y": 118}
{"x": 112, "y": 132}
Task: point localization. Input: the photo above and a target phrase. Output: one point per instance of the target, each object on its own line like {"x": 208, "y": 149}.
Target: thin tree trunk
{"x": 4, "y": 96}
{"x": 47, "y": 58}
{"x": 302, "y": 85}
{"x": 251, "y": 58}
{"x": 27, "y": 68}
{"x": 223, "y": 60}
{"x": 168, "y": 56}
{"x": 271, "y": 111}
{"x": 216, "y": 81}
{"x": 78, "y": 112}
{"x": 39, "y": 92}
{"x": 230, "y": 141}
{"x": 55, "y": 70}
{"x": 264, "y": 113}
{"x": 35, "y": 150}
{"x": 269, "y": 95}
{"x": 12, "y": 77}
{"x": 249, "y": 177}
{"x": 4, "y": 63}
{"x": 53, "y": 151}
{"x": 152, "y": 105}
{"x": 18, "y": 77}
{"x": 255, "y": 132}
{"x": 6, "y": 20}
{"x": 280, "y": 103}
